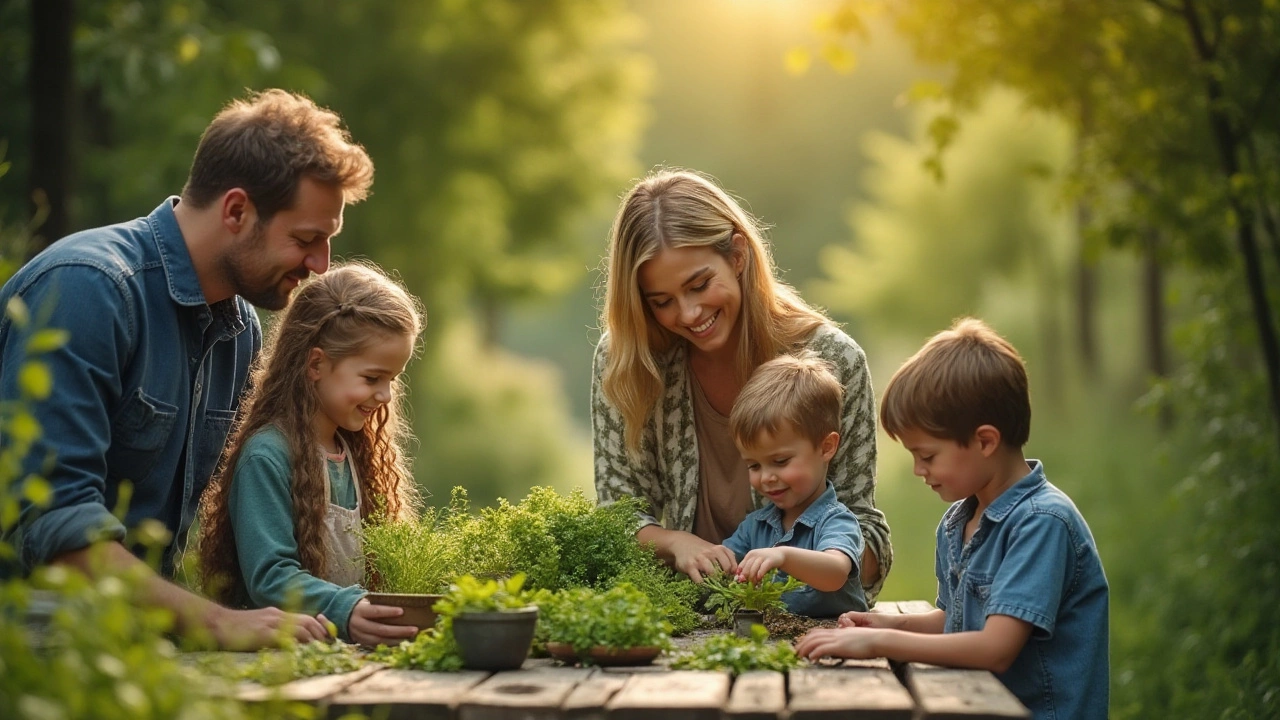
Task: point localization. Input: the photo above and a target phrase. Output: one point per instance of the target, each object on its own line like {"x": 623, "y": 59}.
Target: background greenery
{"x": 1057, "y": 168}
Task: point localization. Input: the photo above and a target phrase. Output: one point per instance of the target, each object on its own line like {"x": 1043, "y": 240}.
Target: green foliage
{"x": 468, "y": 594}
{"x": 295, "y": 662}
{"x": 433, "y": 651}
{"x": 667, "y": 589}
{"x": 738, "y": 654}
{"x": 409, "y": 556}
{"x": 728, "y": 595}
{"x": 1205, "y": 642}
{"x": 619, "y": 618}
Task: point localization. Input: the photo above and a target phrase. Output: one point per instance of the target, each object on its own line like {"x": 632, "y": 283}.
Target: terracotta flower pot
{"x": 417, "y": 608}
{"x": 744, "y": 619}
{"x": 495, "y": 640}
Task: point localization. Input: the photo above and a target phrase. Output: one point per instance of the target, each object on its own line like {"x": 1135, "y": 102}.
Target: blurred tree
{"x": 1172, "y": 100}
{"x": 926, "y": 252}
{"x": 494, "y": 126}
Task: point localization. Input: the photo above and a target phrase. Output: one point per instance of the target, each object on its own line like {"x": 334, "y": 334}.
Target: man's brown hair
{"x": 800, "y": 392}
{"x": 961, "y": 379}
{"x": 269, "y": 141}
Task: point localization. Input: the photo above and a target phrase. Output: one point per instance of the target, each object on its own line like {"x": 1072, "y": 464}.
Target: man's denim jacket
{"x": 144, "y": 390}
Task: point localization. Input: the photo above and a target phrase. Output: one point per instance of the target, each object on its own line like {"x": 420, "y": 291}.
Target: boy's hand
{"x": 365, "y": 629}
{"x": 760, "y": 562}
{"x": 854, "y": 618}
{"x": 846, "y": 642}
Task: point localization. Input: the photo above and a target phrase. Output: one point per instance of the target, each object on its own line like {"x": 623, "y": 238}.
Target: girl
{"x": 692, "y": 305}
{"x": 318, "y": 450}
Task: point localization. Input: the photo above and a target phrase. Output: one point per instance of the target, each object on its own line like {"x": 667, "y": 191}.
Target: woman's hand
{"x": 687, "y": 552}
{"x": 364, "y": 626}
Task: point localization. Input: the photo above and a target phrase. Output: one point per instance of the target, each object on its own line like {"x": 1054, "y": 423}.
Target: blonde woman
{"x": 692, "y": 306}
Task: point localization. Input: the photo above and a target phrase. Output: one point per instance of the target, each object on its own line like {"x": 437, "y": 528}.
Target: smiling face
{"x": 788, "y": 469}
{"x": 350, "y": 390}
{"x": 266, "y": 266}
{"x": 694, "y": 293}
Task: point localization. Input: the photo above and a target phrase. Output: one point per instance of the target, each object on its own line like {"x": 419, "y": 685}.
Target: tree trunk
{"x": 50, "y": 82}
{"x": 1228, "y": 145}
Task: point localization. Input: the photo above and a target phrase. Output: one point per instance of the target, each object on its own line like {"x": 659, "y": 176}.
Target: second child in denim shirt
{"x": 1021, "y": 591}
{"x": 785, "y": 423}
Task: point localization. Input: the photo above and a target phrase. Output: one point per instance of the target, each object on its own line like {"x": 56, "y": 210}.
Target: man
{"x": 161, "y": 337}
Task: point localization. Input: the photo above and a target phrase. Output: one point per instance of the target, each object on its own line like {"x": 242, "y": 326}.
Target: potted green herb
{"x": 619, "y": 626}
{"x": 745, "y": 602}
{"x": 408, "y": 565}
{"x": 492, "y": 621}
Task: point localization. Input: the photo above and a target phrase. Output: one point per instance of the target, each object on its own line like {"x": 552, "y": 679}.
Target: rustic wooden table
{"x": 544, "y": 689}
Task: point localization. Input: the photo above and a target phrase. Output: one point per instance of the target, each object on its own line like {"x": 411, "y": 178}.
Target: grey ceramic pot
{"x": 495, "y": 640}
{"x": 744, "y": 619}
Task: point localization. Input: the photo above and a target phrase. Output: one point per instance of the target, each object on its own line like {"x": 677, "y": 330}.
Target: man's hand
{"x": 365, "y": 629}
{"x": 255, "y": 629}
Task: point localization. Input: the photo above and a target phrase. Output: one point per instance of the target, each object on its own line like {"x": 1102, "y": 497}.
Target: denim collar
{"x": 811, "y": 514}
{"x": 184, "y": 284}
{"x": 1000, "y": 508}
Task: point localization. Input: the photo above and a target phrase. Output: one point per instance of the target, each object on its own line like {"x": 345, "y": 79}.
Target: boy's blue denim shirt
{"x": 144, "y": 390}
{"x": 1034, "y": 559}
{"x": 827, "y": 524}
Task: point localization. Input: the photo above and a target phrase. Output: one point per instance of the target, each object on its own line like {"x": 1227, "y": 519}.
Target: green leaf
{"x": 47, "y": 340}
{"x": 24, "y": 428}
{"x": 35, "y": 380}
{"x": 17, "y": 311}
{"x": 38, "y": 491}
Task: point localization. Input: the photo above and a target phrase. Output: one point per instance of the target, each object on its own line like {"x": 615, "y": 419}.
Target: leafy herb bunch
{"x": 620, "y": 618}
{"x": 739, "y": 654}
{"x": 728, "y": 595}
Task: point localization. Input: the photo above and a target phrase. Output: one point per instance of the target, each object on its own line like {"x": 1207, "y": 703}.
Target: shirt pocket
{"x": 977, "y": 594}
{"x": 139, "y": 434}
{"x": 209, "y": 444}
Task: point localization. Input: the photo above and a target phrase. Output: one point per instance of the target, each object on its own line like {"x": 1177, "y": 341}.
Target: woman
{"x": 691, "y": 307}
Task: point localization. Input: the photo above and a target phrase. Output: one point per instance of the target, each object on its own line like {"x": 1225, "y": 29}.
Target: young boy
{"x": 1021, "y": 590}
{"x": 785, "y": 424}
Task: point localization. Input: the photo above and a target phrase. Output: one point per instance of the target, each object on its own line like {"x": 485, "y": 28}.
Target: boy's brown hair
{"x": 801, "y": 392}
{"x": 266, "y": 144}
{"x": 961, "y": 379}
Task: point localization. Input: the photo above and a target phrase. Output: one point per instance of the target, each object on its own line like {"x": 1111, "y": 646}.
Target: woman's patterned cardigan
{"x": 666, "y": 473}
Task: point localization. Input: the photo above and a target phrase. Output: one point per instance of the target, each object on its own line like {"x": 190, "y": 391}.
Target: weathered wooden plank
{"x": 915, "y": 606}
{"x": 521, "y": 694}
{"x": 403, "y": 694}
{"x": 871, "y": 693}
{"x": 675, "y": 695}
{"x": 308, "y": 690}
{"x": 889, "y": 607}
{"x": 590, "y": 696}
{"x": 955, "y": 694}
{"x": 873, "y": 663}
{"x": 759, "y": 695}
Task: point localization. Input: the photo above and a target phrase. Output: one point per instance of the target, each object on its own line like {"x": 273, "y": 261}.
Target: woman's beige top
{"x": 724, "y": 491}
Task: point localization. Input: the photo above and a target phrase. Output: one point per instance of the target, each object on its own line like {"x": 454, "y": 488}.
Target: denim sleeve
{"x": 261, "y": 510}
{"x": 943, "y": 600}
{"x": 1035, "y": 572}
{"x": 840, "y": 531}
{"x": 75, "y": 427}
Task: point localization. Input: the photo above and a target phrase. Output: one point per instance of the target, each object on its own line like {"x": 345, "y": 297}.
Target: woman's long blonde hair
{"x": 673, "y": 209}
{"x": 341, "y": 312}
